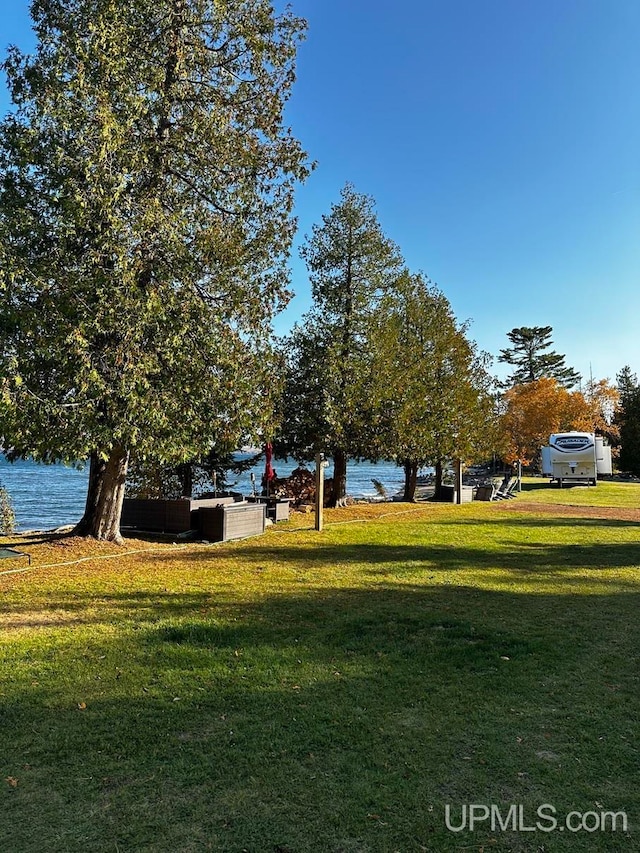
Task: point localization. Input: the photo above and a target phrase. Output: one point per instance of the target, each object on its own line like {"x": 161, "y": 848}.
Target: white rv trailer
{"x": 575, "y": 457}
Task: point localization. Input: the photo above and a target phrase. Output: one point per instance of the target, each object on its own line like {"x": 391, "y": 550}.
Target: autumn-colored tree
{"x": 535, "y": 410}
{"x": 603, "y": 399}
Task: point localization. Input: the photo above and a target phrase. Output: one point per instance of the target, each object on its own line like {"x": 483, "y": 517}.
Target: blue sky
{"x": 501, "y": 141}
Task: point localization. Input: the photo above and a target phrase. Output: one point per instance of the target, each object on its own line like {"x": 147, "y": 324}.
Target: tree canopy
{"x": 603, "y": 400}
{"x": 146, "y": 194}
{"x": 531, "y": 362}
{"x": 628, "y": 421}
{"x": 326, "y": 401}
{"x": 534, "y": 411}
{"x": 434, "y": 391}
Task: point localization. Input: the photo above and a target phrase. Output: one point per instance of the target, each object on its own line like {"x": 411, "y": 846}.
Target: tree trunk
{"x": 458, "y": 480}
{"x": 339, "y": 493}
{"x": 105, "y": 494}
{"x": 185, "y": 472}
{"x": 97, "y": 468}
{"x": 410, "y": 480}
{"x": 438, "y": 478}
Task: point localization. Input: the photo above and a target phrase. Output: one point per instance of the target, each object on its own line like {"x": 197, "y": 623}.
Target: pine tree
{"x": 435, "y": 393}
{"x": 628, "y": 419}
{"x": 146, "y": 190}
{"x": 327, "y": 396}
{"x": 531, "y": 362}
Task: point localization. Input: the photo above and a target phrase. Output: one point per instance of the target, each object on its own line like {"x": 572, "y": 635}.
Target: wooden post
{"x": 458, "y": 476}
{"x": 320, "y": 466}
{"x": 519, "y": 475}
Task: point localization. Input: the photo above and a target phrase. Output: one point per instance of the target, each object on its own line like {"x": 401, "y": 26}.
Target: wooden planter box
{"x": 232, "y": 521}
{"x": 163, "y": 516}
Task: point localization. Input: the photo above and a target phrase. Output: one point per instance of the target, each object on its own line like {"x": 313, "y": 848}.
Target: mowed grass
{"x": 606, "y": 493}
{"x": 330, "y": 692}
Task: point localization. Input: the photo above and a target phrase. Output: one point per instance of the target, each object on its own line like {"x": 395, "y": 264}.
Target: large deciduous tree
{"x": 435, "y": 400}
{"x": 531, "y": 361}
{"x": 603, "y": 400}
{"x": 146, "y": 190}
{"x": 535, "y": 410}
{"x": 351, "y": 264}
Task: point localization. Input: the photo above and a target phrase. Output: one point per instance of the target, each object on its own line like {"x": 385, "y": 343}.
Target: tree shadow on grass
{"x": 546, "y": 485}
{"x": 403, "y": 559}
{"x": 533, "y": 520}
{"x": 335, "y": 720}
{"x": 524, "y": 563}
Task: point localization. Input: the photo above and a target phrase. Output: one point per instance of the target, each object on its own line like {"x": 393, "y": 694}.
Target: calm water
{"x": 49, "y": 496}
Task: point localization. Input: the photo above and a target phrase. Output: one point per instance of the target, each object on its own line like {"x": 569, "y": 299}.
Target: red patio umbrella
{"x": 269, "y": 472}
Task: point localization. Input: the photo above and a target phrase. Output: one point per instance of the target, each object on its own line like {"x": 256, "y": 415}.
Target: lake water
{"x": 48, "y": 496}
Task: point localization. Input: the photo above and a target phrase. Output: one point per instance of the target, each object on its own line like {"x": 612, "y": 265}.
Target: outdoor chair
{"x": 505, "y": 493}
{"x": 486, "y": 492}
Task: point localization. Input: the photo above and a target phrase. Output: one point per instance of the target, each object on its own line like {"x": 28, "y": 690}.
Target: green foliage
{"x": 531, "y": 362}
{"x": 146, "y": 190}
{"x": 628, "y": 419}
{"x": 435, "y": 401}
{"x": 213, "y": 473}
{"x": 329, "y": 384}
{"x": 380, "y": 367}
{"x": 7, "y": 514}
{"x": 626, "y": 382}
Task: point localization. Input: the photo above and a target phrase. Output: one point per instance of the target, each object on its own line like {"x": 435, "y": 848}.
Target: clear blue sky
{"x": 501, "y": 141}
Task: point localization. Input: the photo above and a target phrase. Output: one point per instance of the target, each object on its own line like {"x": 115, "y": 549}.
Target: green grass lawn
{"x": 331, "y": 692}
{"x": 604, "y": 494}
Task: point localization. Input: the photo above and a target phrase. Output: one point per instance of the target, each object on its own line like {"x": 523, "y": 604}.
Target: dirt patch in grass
{"x": 620, "y": 513}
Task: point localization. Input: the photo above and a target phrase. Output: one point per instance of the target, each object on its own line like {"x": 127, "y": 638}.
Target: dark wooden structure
{"x": 277, "y": 508}
{"x": 448, "y": 494}
{"x": 232, "y": 521}
{"x": 164, "y": 516}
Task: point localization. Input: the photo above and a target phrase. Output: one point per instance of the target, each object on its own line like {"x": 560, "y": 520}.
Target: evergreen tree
{"x": 531, "y": 362}
{"x": 201, "y": 478}
{"x": 435, "y": 393}
{"x": 327, "y": 395}
{"x": 626, "y": 382}
{"x": 629, "y": 421}
{"x": 146, "y": 190}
